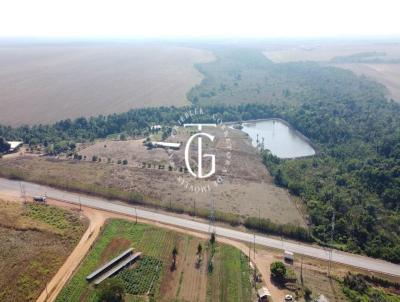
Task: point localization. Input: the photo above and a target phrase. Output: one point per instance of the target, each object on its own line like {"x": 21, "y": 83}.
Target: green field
{"x": 231, "y": 272}
{"x": 152, "y": 278}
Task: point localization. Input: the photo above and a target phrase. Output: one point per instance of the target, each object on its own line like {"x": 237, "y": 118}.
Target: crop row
{"x": 138, "y": 280}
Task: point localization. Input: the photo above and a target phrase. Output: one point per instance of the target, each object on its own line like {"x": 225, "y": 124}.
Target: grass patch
{"x": 230, "y": 279}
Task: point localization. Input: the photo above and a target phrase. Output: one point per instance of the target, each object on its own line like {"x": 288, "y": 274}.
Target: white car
{"x": 289, "y": 298}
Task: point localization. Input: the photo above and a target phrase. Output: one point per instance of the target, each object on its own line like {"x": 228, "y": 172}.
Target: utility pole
{"x": 255, "y": 277}
{"x": 211, "y": 226}
{"x": 135, "y": 215}
{"x": 301, "y": 271}
{"x": 249, "y": 266}
{"x": 254, "y": 244}
{"x": 194, "y": 208}
{"x": 330, "y": 263}
{"x": 331, "y": 249}
{"x": 80, "y": 204}
{"x": 333, "y": 227}
{"x": 23, "y": 193}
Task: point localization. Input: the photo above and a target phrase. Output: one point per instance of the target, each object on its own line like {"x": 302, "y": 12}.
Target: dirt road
{"x": 96, "y": 221}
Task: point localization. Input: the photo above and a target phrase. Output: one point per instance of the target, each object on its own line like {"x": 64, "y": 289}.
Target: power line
{"x": 333, "y": 226}
{"x": 211, "y": 226}
{"x": 135, "y": 215}
{"x": 23, "y": 193}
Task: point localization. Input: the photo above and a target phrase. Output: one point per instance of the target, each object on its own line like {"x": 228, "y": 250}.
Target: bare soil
{"x": 71, "y": 80}
{"x": 322, "y": 52}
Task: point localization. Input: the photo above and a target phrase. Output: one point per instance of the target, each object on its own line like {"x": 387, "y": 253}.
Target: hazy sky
{"x": 188, "y": 18}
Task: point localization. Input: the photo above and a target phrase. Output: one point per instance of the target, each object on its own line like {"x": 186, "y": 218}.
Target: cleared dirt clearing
{"x": 386, "y": 74}
{"x": 315, "y": 51}
{"x": 71, "y": 80}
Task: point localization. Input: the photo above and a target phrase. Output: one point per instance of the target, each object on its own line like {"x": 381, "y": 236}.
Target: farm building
{"x": 14, "y": 146}
{"x": 112, "y": 267}
{"x": 263, "y": 294}
{"x": 156, "y": 127}
{"x": 166, "y": 145}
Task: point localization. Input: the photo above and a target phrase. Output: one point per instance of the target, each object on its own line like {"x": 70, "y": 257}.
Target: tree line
{"x": 352, "y": 186}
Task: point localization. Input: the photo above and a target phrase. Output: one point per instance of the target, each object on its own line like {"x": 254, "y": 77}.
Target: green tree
{"x": 279, "y": 180}
{"x": 111, "y": 290}
{"x": 199, "y": 254}
{"x": 212, "y": 238}
{"x": 174, "y": 254}
{"x": 199, "y": 249}
{"x": 4, "y": 145}
{"x": 278, "y": 271}
{"x": 307, "y": 294}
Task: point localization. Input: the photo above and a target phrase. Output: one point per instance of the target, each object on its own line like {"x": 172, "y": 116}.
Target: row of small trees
{"x": 96, "y": 158}
{"x": 199, "y": 254}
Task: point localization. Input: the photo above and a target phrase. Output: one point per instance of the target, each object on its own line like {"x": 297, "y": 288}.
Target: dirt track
{"x": 54, "y": 287}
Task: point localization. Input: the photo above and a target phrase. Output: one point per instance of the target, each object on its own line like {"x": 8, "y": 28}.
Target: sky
{"x": 201, "y": 18}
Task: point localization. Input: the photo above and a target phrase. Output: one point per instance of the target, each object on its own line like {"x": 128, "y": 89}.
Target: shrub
{"x": 267, "y": 226}
{"x": 355, "y": 282}
{"x": 307, "y": 293}
{"x": 278, "y": 271}
{"x": 111, "y": 290}
{"x": 4, "y": 145}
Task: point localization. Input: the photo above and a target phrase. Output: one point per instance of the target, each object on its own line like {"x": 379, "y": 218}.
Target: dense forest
{"x": 351, "y": 187}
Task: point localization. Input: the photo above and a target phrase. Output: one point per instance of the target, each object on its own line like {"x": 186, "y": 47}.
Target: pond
{"x": 279, "y": 138}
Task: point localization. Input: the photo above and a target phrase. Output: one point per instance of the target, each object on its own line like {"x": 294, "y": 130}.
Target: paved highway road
{"x": 298, "y": 248}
